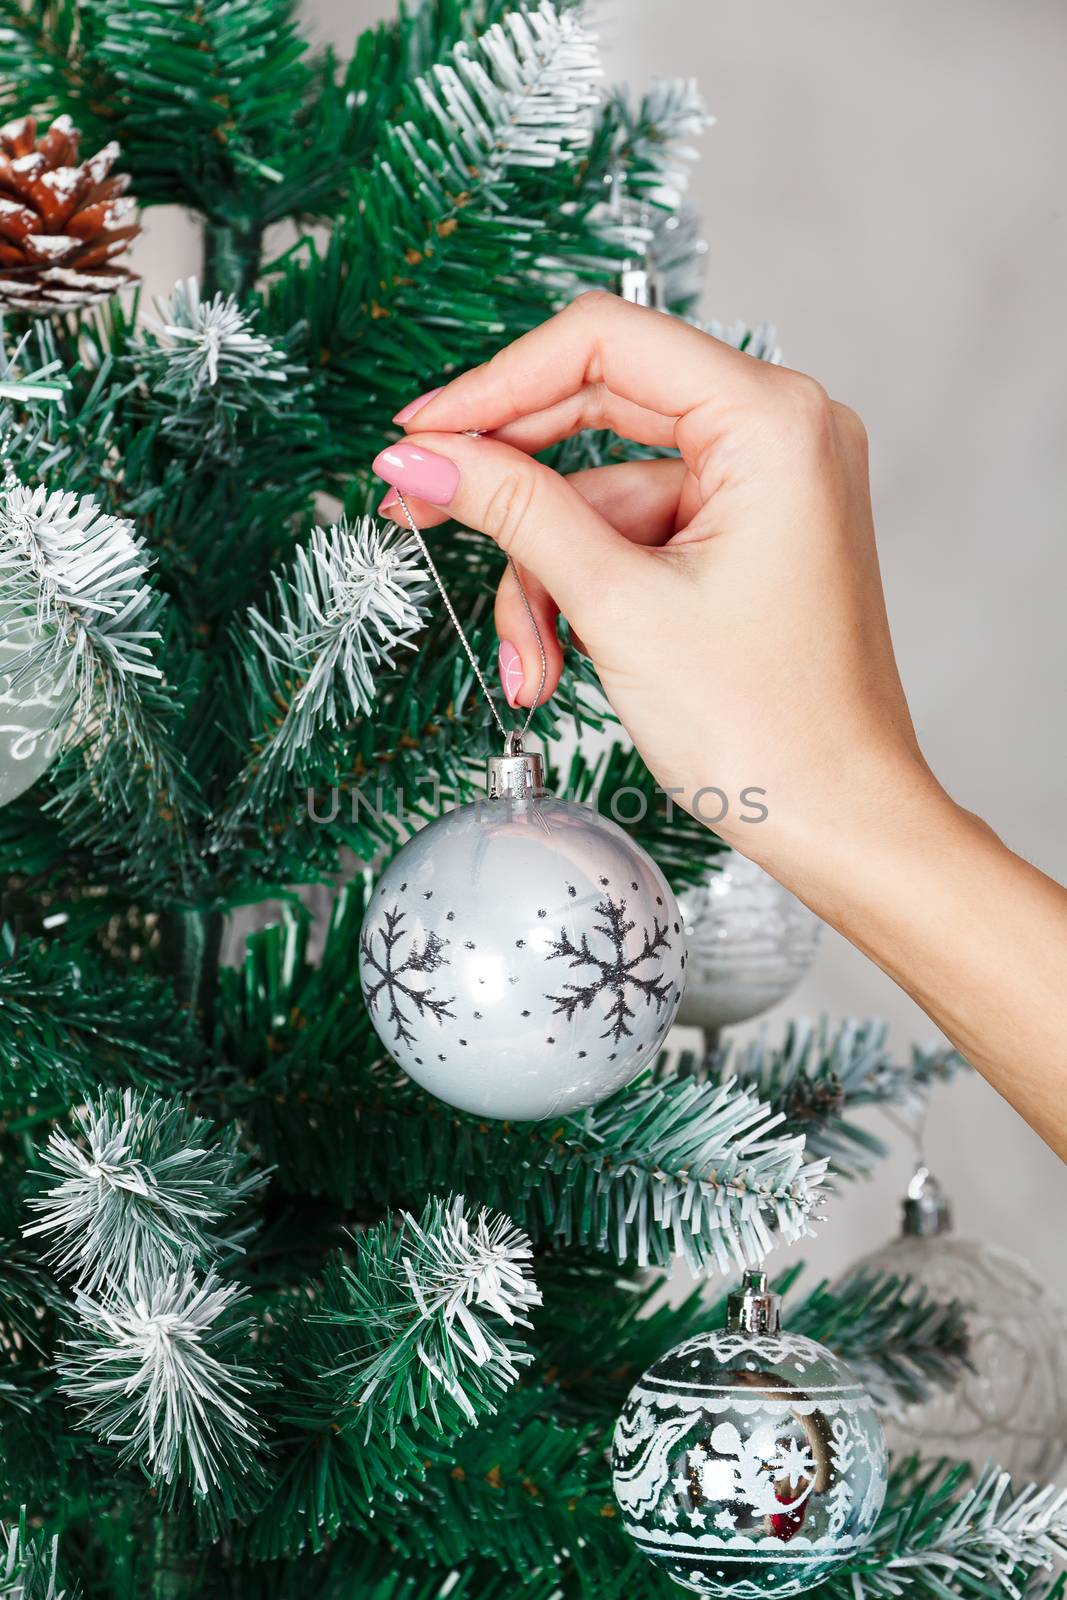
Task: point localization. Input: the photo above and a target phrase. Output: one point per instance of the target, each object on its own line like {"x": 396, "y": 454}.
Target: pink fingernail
{"x": 509, "y": 663}
{"x": 407, "y": 412}
{"x": 413, "y": 470}
{"x": 388, "y": 501}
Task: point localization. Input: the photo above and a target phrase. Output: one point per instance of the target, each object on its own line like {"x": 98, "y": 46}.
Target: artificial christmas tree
{"x": 274, "y": 1321}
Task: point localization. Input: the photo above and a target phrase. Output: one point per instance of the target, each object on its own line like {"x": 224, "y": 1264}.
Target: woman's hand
{"x": 732, "y": 605}
{"x": 730, "y": 601}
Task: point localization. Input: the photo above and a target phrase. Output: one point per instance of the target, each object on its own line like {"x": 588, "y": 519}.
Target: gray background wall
{"x": 884, "y": 183}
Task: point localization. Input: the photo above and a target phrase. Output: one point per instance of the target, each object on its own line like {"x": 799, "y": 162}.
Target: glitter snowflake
{"x": 794, "y": 1462}
{"x": 390, "y": 987}
{"x": 614, "y": 978}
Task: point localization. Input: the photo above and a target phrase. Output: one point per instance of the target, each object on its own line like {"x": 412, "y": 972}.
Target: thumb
{"x": 532, "y": 513}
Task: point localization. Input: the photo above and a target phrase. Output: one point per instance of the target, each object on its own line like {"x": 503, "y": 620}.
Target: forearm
{"x": 975, "y": 934}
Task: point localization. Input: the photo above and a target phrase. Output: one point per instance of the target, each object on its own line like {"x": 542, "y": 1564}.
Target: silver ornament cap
{"x": 516, "y": 775}
{"x": 754, "y": 1308}
{"x": 641, "y": 287}
{"x": 926, "y": 1210}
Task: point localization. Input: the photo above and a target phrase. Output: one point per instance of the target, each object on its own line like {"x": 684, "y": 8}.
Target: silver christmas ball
{"x": 521, "y": 957}
{"x": 750, "y": 943}
{"x": 1011, "y": 1409}
{"x": 33, "y": 713}
{"x": 749, "y": 1461}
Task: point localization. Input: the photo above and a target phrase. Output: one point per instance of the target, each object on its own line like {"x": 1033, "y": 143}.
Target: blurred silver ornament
{"x": 74, "y": 621}
{"x": 34, "y": 708}
{"x": 642, "y": 285}
{"x": 1011, "y": 1409}
{"x": 522, "y": 957}
{"x": 749, "y": 1461}
{"x": 750, "y": 943}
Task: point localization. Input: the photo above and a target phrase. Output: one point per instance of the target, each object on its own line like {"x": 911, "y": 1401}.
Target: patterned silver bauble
{"x": 521, "y": 957}
{"x": 749, "y": 1462}
{"x": 1011, "y": 1408}
{"x": 750, "y": 942}
{"x": 33, "y": 713}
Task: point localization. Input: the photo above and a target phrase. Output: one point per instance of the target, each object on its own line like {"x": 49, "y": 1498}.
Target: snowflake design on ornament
{"x": 390, "y": 981}
{"x": 613, "y": 977}
{"x": 794, "y": 1462}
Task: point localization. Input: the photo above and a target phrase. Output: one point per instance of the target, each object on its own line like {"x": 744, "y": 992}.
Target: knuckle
{"x": 808, "y": 399}
{"x": 591, "y": 315}
{"x": 849, "y": 425}
{"x": 508, "y": 508}
{"x": 805, "y": 415}
{"x": 591, "y": 303}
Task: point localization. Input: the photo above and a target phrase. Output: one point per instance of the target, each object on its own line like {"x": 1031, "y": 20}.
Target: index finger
{"x": 648, "y": 357}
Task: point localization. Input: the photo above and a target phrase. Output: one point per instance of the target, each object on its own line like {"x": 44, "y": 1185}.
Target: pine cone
{"x": 61, "y": 224}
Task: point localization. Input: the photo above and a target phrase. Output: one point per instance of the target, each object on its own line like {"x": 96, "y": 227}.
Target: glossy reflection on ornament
{"x": 522, "y": 958}
{"x": 32, "y": 712}
{"x": 749, "y": 1462}
{"x": 750, "y": 943}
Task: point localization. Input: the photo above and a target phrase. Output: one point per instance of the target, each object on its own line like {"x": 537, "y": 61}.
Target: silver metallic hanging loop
{"x": 512, "y": 740}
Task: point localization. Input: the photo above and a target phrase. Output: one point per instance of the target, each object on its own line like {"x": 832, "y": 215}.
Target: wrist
{"x": 845, "y": 842}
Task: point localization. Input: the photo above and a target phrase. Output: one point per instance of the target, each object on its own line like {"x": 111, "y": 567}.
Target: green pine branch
{"x": 79, "y": 573}
{"x": 523, "y": 1487}
{"x": 158, "y": 1369}
{"x": 29, "y": 1306}
{"x": 211, "y": 379}
{"x": 29, "y": 1563}
{"x": 415, "y": 1299}
{"x": 203, "y": 110}
{"x": 78, "y": 568}
{"x": 411, "y": 1341}
{"x": 648, "y": 150}
{"x": 342, "y": 609}
{"x": 39, "y": 67}
{"x": 358, "y": 1566}
{"x": 669, "y": 1170}
{"x": 221, "y": 447}
{"x": 818, "y": 1077}
{"x": 345, "y": 106}
{"x": 141, "y": 1184}
{"x": 471, "y": 184}
{"x": 939, "y": 1536}
{"x": 69, "y": 1023}
{"x": 902, "y": 1344}
{"x": 423, "y": 749}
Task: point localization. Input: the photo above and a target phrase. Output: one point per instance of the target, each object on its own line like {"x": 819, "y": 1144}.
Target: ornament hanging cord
{"x": 512, "y": 739}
